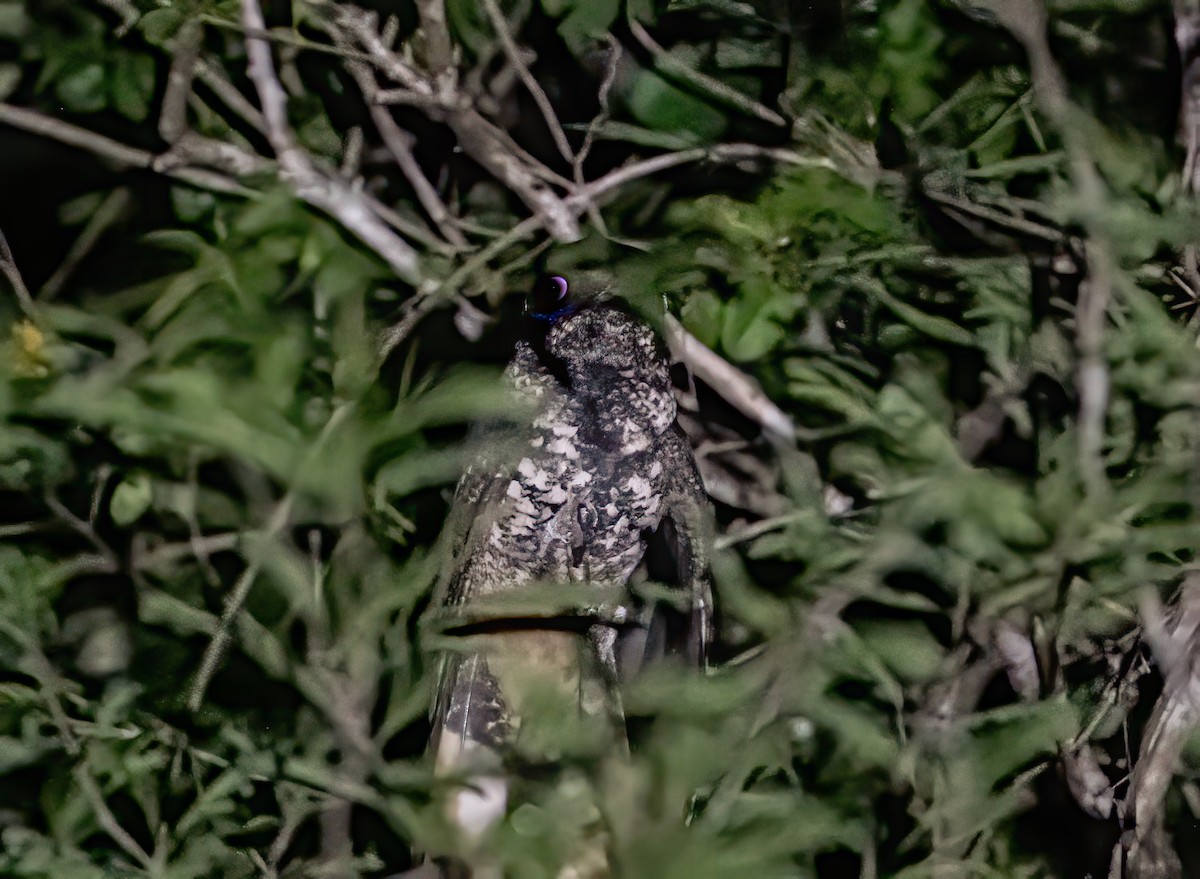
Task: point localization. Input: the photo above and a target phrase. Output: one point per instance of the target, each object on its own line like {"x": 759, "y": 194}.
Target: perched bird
{"x": 549, "y": 528}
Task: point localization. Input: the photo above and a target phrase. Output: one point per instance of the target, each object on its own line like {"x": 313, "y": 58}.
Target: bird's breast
{"x": 578, "y": 514}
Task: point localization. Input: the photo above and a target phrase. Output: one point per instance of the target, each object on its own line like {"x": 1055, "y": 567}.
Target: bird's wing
{"x": 681, "y": 622}
{"x": 479, "y": 502}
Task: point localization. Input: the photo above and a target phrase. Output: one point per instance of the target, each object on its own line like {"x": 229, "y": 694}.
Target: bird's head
{"x": 582, "y": 332}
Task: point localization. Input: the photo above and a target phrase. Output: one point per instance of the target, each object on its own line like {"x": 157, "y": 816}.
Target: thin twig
{"x": 215, "y": 651}
{"x": 110, "y": 210}
{"x": 200, "y": 544}
{"x": 73, "y": 135}
{"x": 577, "y": 203}
{"x": 276, "y": 522}
{"x": 438, "y": 48}
{"x": 86, "y": 529}
{"x": 735, "y": 387}
{"x": 213, "y": 77}
{"x": 8, "y": 265}
{"x": 326, "y": 192}
{"x": 719, "y": 90}
{"x": 127, "y": 10}
{"x": 108, "y": 821}
{"x": 172, "y": 119}
{"x": 1026, "y": 20}
{"x": 531, "y": 85}
{"x": 490, "y": 146}
{"x": 732, "y": 152}
{"x": 589, "y": 137}
{"x": 1176, "y": 646}
{"x": 400, "y": 143}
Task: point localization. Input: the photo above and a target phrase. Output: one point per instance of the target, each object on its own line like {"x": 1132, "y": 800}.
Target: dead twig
{"x": 484, "y": 142}
{"x": 109, "y": 212}
{"x": 577, "y": 203}
{"x": 531, "y": 85}
{"x": 214, "y": 653}
{"x": 735, "y": 387}
{"x": 728, "y": 96}
{"x": 108, "y": 821}
{"x": 172, "y": 118}
{"x": 1026, "y": 20}
{"x": 324, "y": 191}
{"x": 86, "y": 527}
{"x": 73, "y": 135}
{"x": 214, "y": 77}
{"x": 8, "y": 265}
{"x": 1175, "y": 643}
{"x": 400, "y": 143}
{"x": 589, "y": 137}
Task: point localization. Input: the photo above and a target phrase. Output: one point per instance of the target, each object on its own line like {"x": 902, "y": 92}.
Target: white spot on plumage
{"x": 638, "y": 486}
{"x": 563, "y": 446}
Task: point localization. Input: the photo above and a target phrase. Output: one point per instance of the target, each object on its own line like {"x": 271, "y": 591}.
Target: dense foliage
{"x": 952, "y": 245}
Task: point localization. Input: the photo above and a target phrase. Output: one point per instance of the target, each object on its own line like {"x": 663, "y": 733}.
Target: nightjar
{"x": 549, "y": 528}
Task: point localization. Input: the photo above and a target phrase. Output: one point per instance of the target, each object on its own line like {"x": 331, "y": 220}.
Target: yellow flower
{"x": 28, "y": 350}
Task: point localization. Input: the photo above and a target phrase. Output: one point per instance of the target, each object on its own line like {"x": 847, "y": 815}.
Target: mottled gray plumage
{"x": 568, "y": 502}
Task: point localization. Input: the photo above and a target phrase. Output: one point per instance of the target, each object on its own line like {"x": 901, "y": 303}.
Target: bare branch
{"x": 352, "y": 153}
{"x": 1176, "y": 646}
{"x": 484, "y": 142}
{"x": 271, "y": 96}
{"x": 589, "y": 137}
{"x": 105, "y": 555}
{"x": 606, "y": 84}
{"x": 73, "y": 135}
{"x": 735, "y": 387}
{"x": 438, "y": 47}
{"x": 127, "y": 10}
{"x": 322, "y": 191}
{"x": 1187, "y": 38}
{"x": 213, "y": 77}
{"x": 577, "y": 203}
{"x": 172, "y": 119}
{"x": 399, "y": 143}
{"x": 361, "y": 25}
{"x": 1026, "y": 20}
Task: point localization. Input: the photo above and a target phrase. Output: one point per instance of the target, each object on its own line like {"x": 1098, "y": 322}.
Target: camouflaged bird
{"x": 576, "y": 504}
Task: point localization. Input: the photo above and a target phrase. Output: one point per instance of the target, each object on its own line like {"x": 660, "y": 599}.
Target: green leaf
{"x": 909, "y": 649}
{"x": 130, "y": 499}
{"x": 753, "y": 322}
{"x": 131, "y": 86}
{"x": 701, "y": 314}
{"x": 10, "y": 78}
{"x": 83, "y": 90}
{"x": 658, "y": 104}
{"x": 14, "y": 21}
{"x": 159, "y": 25}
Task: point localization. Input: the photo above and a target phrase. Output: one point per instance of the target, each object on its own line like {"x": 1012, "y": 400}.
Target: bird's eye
{"x": 549, "y": 297}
